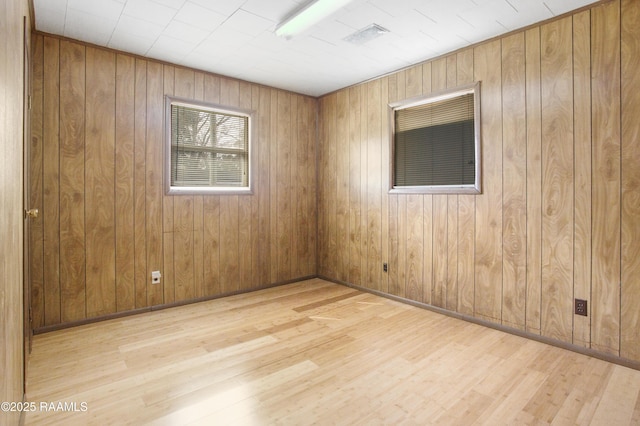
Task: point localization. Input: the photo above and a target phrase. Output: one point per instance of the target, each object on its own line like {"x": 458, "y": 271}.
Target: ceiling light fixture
{"x": 307, "y": 16}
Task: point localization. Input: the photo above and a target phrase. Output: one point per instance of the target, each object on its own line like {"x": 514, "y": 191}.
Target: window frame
{"x": 476, "y": 187}
{"x": 216, "y": 108}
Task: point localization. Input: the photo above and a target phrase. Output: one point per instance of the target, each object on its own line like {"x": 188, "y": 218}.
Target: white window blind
{"x": 209, "y": 148}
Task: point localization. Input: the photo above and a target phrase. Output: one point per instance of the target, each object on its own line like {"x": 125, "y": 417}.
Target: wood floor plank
{"x": 317, "y": 352}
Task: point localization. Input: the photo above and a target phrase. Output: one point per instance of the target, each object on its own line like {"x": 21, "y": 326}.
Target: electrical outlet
{"x": 155, "y": 277}
{"x": 384, "y": 267}
{"x": 581, "y": 307}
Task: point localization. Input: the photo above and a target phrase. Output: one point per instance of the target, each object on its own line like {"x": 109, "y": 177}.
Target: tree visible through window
{"x": 209, "y": 148}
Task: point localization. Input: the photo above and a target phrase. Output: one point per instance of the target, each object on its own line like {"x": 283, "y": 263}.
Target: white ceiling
{"x": 236, "y": 37}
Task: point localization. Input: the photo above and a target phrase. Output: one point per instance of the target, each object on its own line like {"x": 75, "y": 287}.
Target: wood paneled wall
{"x": 97, "y": 177}
{"x": 559, "y": 213}
{"x": 12, "y": 13}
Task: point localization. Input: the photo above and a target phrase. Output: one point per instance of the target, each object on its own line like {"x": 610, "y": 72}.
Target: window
{"x": 436, "y": 143}
{"x": 208, "y": 148}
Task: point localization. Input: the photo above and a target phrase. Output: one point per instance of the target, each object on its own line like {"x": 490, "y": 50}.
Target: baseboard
{"x": 54, "y": 327}
{"x": 532, "y": 336}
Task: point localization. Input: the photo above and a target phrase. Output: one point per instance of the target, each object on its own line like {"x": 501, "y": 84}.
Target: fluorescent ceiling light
{"x": 307, "y": 16}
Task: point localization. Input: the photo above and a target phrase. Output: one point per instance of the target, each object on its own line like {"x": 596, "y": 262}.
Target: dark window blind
{"x": 434, "y": 143}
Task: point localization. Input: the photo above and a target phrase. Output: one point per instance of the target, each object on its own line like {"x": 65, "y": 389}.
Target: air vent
{"x": 366, "y": 34}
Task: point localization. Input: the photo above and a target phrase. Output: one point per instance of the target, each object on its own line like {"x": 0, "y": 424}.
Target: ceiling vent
{"x": 366, "y": 34}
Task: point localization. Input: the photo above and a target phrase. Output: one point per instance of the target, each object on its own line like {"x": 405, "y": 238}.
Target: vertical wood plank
{"x": 168, "y": 269}
{"x": 36, "y": 181}
{"x": 488, "y": 238}
{"x": 244, "y": 209}
{"x": 100, "y": 182}
{"x": 440, "y": 208}
{"x": 72, "y": 172}
{"x": 273, "y": 185}
{"x": 582, "y": 189}
{"x": 139, "y": 177}
{"x": 51, "y": 184}
{"x": 514, "y": 157}
{"x": 394, "y": 240}
{"x": 427, "y": 214}
{"x": 211, "y": 212}
{"x": 284, "y": 187}
{"x": 342, "y": 186}
{"x": 415, "y": 211}
{"x": 534, "y": 181}
{"x": 400, "y": 265}
{"x": 385, "y": 183}
{"x": 229, "y": 213}
{"x": 630, "y": 62}
{"x": 153, "y": 183}
{"x": 374, "y": 184}
{"x": 364, "y": 179}
{"x": 183, "y": 211}
{"x": 466, "y": 213}
{"x": 124, "y": 175}
{"x": 451, "y": 302}
{"x": 198, "y": 213}
{"x": 557, "y": 180}
{"x": 264, "y": 169}
{"x": 605, "y": 96}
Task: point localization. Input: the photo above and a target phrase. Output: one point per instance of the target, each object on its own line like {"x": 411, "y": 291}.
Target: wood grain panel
{"x": 428, "y": 234}
{"x": 203, "y": 246}
{"x": 285, "y": 216}
{"x": 374, "y": 186}
{"x": 245, "y": 222}
{"x": 522, "y": 247}
{"x": 534, "y": 181}
{"x": 36, "y": 182}
{"x": 168, "y": 269}
{"x": 557, "y": 180}
{"x": 605, "y": 86}
{"x": 342, "y": 186}
{"x": 355, "y": 188}
{"x": 415, "y": 210}
{"x": 582, "y": 184}
{"x": 466, "y": 213}
{"x": 394, "y": 240}
{"x": 100, "y": 182}
{"x": 198, "y": 213}
{"x": 452, "y": 213}
{"x": 415, "y": 251}
{"x": 51, "y": 183}
{"x": 488, "y": 238}
{"x": 440, "y": 243}
{"x": 514, "y": 157}
{"x": 263, "y": 187}
{"x": 440, "y": 250}
{"x": 72, "y": 181}
{"x": 140, "y": 181}
{"x": 273, "y": 184}
{"x": 327, "y": 163}
{"x": 630, "y": 202}
{"x": 153, "y": 183}
{"x": 385, "y": 183}
{"x": 401, "y": 210}
{"x": 125, "y": 183}
{"x": 183, "y": 211}
{"x": 229, "y": 215}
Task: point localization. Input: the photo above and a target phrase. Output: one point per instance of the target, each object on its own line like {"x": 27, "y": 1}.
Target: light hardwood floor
{"x": 318, "y": 353}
